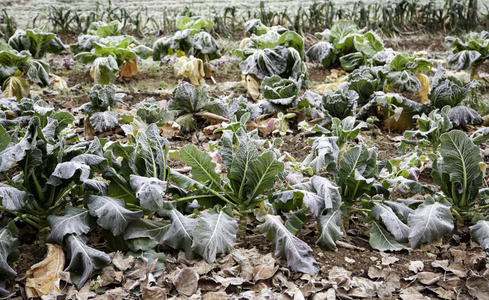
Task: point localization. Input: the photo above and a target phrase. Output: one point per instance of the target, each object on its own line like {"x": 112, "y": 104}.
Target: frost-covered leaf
{"x": 12, "y": 198}
{"x": 75, "y": 220}
{"x": 381, "y": 239}
{"x": 149, "y": 191}
{"x": 180, "y": 234}
{"x": 144, "y": 228}
{"x": 318, "y": 194}
{"x": 68, "y": 170}
{"x": 214, "y": 233}
{"x": 111, "y": 213}
{"x": 83, "y": 259}
{"x": 297, "y": 253}
{"x": 463, "y": 115}
{"x": 329, "y": 226}
{"x": 391, "y": 221}
{"x": 430, "y": 222}
{"x": 104, "y": 120}
{"x": 324, "y": 154}
{"x": 8, "y": 251}
{"x": 480, "y": 233}
{"x": 266, "y": 62}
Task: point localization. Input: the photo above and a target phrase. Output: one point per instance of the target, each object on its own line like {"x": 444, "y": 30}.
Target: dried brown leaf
{"x": 187, "y": 281}
{"x": 45, "y": 274}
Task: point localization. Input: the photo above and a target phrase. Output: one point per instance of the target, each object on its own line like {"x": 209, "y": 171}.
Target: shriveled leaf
{"x": 214, "y": 233}
{"x": 297, "y": 253}
{"x": 83, "y": 259}
{"x": 46, "y": 274}
{"x": 111, "y": 213}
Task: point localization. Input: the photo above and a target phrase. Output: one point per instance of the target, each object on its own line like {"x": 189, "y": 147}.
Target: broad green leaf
{"x": 402, "y": 210}
{"x": 38, "y": 72}
{"x": 448, "y": 90}
{"x": 458, "y": 173}
{"x": 296, "y": 221}
{"x": 352, "y": 61}
{"x": 75, "y": 220}
{"x": 391, "y": 221}
{"x": 83, "y": 259}
{"x": 480, "y": 233}
{"x": 240, "y": 167}
{"x": 180, "y": 234}
{"x": 404, "y": 81}
{"x": 149, "y": 191}
{"x": 4, "y": 139}
{"x": 111, "y": 213}
{"x": 430, "y": 222}
{"x": 329, "y": 226}
{"x": 381, "y": 239}
{"x": 8, "y": 251}
{"x": 297, "y": 253}
{"x": 356, "y": 172}
{"x": 203, "y": 168}
{"x": 12, "y": 198}
{"x": 214, "y": 233}
{"x": 262, "y": 173}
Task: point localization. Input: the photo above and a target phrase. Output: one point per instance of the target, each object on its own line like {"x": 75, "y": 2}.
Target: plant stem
{"x": 184, "y": 199}
{"x": 38, "y": 187}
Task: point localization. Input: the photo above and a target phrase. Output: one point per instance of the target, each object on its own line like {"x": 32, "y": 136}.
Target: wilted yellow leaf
{"x": 253, "y": 84}
{"x": 58, "y": 82}
{"x": 191, "y": 68}
{"x": 425, "y": 87}
{"x": 129, "y": 69}
{"x": 45, "y": 274}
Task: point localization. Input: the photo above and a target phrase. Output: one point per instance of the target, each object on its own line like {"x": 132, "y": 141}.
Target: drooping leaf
{"x": 322, "y": 53}
{"x": 297, "y": 253}
{"x": 12, "y": 198}
{"x": 329, "y": 226}
{"x": 463, "y": 115}
{"x": 430, "y": 222}
{"x": 480, "y": 233}
{"x": 214, "y": 233}
{"x": 180, "y": 234}
{"x": 111, "y": 213}
{"x": 144, "y": 228}
{"x": 381, "y": 239}
{"x": 83, "y": 259}
{"x": 104, "y": 120}
{"x": 391, "y": 221}
{"x": 324, "y": 154}
{"x": 68, "y": 170}
{"x": 8, "y": 251}
{"x": 149, "y": 191}
{"x": 75, "y": 220}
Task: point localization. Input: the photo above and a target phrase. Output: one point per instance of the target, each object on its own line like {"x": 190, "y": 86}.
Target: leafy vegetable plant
{"x": 190, "y": 40}
{"x": 98, "y": 109}
{"x": 37, "y": 42}
{"x": 470, "y": 54}
{"x": 15, "y": 67}
{"x": 114, "y": 58}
